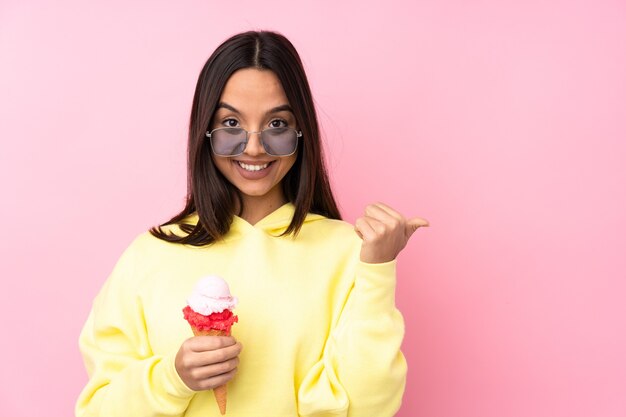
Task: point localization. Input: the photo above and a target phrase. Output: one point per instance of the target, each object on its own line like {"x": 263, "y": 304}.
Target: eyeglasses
{"x": 232, "y": 141}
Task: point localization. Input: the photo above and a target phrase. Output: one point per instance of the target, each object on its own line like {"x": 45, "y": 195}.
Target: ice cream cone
{"x": 209, "y": 312}
{"x": 220, "y": 392}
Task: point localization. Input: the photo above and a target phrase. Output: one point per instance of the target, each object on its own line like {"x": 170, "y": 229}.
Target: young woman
{"x": 316, "y": 295}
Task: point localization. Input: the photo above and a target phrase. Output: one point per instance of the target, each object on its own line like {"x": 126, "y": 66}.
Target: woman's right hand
{"x": 206, "y": 362}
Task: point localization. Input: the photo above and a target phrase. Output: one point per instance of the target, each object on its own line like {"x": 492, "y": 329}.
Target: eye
{"x": 230, "y": 123}
{"x": 278, "y": 123}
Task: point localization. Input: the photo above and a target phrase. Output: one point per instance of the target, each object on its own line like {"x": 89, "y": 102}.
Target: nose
{"x": 254, "y": 146}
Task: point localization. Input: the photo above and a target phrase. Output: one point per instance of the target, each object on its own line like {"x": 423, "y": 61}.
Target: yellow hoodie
{"x": 320, "y": 330}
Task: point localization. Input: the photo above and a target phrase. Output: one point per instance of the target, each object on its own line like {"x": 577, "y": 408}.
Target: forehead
{"x": 253, "y": 89}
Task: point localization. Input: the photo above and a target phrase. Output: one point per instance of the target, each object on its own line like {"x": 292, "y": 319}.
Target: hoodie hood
{"x": 273, "y": 224}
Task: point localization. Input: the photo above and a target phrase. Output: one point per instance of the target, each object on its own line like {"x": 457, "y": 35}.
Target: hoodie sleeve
{"x": 362, "y": 371}
{"x": 125, "y": 377}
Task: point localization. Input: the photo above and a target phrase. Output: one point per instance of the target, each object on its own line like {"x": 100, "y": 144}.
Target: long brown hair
{"x": 209, "y": 193}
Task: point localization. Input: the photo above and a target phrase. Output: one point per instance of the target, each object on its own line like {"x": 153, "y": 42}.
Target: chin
{"x": 257, "y": 191}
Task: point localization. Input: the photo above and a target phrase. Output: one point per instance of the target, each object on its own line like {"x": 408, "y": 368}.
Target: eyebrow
{"x": 283, "y": 107}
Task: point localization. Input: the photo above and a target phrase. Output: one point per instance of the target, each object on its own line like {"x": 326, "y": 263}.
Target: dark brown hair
{"x": 209, "y": 193}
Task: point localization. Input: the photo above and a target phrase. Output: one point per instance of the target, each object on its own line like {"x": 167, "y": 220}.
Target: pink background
{"x": 503, "y": 123}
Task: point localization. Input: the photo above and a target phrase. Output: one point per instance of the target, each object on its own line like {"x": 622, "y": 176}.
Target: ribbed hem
{"x": 374, "y": 288}
{"x": 174, "y": 385}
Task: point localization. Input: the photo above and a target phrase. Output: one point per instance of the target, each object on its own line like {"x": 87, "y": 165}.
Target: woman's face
{"x": 254, "y": 100}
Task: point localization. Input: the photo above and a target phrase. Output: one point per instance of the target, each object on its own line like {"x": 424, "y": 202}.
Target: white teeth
{"x": 252, "y": 167}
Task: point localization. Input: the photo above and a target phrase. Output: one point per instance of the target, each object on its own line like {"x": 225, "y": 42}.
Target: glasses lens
{"x": 279, "y": 141}
{"x": 228, "y": 141}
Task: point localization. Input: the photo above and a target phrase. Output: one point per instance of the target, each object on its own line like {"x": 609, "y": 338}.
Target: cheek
{"x": 221, "y": 164}
{"x": 289, "y": 164}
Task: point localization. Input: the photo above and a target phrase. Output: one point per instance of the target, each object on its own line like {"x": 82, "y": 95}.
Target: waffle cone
{"x": 219, "y": 392}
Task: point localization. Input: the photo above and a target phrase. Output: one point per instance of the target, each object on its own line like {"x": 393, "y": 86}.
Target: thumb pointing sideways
{"x": 415, "y": 223}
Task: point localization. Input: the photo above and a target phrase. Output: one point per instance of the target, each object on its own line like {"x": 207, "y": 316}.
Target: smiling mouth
{"x": 253, "y": 168}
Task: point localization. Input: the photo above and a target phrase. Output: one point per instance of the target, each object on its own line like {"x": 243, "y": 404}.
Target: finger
{"x": 215, "y": 356}
{"x": 218, "y": 380}
{"x": 226, "y": 353}
{"x": 364, "y": 225}
{"x": 378, "y": 226}
{"x": 415, "y": 223}
{"x": 419, "y": 222}
{"x": 206, "y": 343}
{"x": 390, "y": 211}
{"x": 379, "y": 213}
{"x": 215, "y": 369}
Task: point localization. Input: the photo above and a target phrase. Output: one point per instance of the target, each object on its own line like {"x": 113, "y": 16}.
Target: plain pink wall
{"x": 503, "y": 123}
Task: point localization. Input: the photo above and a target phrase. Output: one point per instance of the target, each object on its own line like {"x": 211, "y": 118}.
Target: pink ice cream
{"x": 210, "y": 304}
{"x": 209, "y": 314}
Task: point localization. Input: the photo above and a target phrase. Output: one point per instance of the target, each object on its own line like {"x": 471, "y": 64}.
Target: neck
{"x": 256, "y": 208}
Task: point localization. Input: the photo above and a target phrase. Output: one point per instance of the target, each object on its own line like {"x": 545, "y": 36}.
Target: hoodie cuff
{"x": 173, "y": 384}
{"x": 374, "y": 288}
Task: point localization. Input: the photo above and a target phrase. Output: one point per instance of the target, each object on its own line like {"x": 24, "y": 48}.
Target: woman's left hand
{"x": 385, "y": 232}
